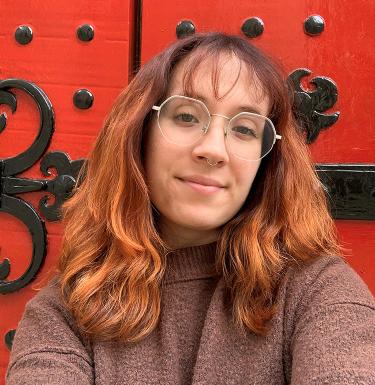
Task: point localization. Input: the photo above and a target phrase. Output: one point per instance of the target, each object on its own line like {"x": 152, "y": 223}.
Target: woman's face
{"x": 191, "y": 214}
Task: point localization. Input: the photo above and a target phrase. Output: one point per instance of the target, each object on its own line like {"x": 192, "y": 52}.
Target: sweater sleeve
{"x": 47, "y": 349}
{"x": 333, "y": 339}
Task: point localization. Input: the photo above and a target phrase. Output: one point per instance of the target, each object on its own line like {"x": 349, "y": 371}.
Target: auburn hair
{"x": 113, "y": 258}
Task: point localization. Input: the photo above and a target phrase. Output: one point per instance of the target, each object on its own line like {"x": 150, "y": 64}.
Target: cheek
{"x": 245, "y": 176}
{"x": 160, "y": 158}
{"x": 153, "y": 152}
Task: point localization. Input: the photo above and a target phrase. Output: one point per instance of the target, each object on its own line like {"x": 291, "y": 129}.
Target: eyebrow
{"x": 240, "y": 108}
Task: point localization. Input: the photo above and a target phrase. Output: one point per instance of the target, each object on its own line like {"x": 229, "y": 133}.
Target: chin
{"x": 201, "y": 223}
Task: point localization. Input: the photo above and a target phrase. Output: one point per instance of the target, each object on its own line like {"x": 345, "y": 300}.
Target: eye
{"x": 186, "y": 118}
{"x": 244, "y": 132}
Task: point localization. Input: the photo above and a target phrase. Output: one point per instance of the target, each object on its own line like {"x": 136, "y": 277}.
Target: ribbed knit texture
{"x": 322, "y": 333}
{"x": 191, "y": 263}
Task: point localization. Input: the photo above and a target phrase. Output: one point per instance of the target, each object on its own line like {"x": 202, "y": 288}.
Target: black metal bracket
{"x": 10, "y": 184}
{"x": 350, "y": 188}
{"x": 310, "y": 105}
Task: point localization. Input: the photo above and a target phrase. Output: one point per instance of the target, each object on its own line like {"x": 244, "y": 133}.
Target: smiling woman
{"x": 184, "y": 136}
{"x": 198, "y": 246}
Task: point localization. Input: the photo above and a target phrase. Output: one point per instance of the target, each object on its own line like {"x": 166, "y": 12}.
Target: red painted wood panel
{"x": 59, "y": 63}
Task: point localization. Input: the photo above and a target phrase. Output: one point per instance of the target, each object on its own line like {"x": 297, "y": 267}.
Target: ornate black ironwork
{"x": 61, "y": 186}
{"x": 253, "y": 27}
{"x": 26, "y": 159}
{"x": 85, "y": 32}
{"x": 184, "y": 28}
{"x": 350, "y": 188}
{"x": 83, "y": 99}
{"x": 23, "y": 34}
{"x": 8, "y": 338}
{"x": 10, "y": 184}
{"x": 313, "y": 25}
{"x": 310, "y": 105}
{"x": 26, "y": 214}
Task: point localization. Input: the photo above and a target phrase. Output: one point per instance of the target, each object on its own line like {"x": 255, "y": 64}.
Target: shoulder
{"x": 327, "y": 314}
{"x": 47, "y": 343}
{"x": 48, "y": 295}
{"x": 330, "y": 279}
{"x": 46, "y": 324}
{"x": 48, "y": 304}
{"x": 326, "y": 288}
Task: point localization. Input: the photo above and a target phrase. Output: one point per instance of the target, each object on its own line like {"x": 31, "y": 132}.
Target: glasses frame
{"x": 158, "y": 108}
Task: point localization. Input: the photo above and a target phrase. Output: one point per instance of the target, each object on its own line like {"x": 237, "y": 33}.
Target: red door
{"x": 71, "y": 61}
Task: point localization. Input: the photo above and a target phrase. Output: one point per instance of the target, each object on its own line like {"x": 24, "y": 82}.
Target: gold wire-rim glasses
{"x": 158, "y": 109}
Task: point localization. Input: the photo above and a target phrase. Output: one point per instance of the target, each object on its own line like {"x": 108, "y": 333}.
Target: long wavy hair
{"x": 113, "y": 258}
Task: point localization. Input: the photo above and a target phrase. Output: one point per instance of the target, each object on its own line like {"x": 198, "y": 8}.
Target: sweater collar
{"x": 191, "y": 263}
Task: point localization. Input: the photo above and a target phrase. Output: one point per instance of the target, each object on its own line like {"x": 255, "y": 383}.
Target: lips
{"x": 202, "y": 180}
{"x": 202, "y": 184}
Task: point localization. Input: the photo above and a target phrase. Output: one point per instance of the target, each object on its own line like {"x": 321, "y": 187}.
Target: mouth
{"x": 201, "y": 188}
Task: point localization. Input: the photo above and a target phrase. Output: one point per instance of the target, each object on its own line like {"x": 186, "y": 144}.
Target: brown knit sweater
{"x": 323, "y": 333}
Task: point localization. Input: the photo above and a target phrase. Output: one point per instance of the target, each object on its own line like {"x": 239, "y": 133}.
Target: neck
{"x": 191, "y": 263}
{"x": 178, "y": 237}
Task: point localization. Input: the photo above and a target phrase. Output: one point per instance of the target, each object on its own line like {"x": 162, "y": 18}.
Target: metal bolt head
{"x": 23, "y": 34}
{"x": 313, "y": 25}
{"x": 85, "y": 32}
{"x": 184, "y": 28}
{"x": 253, "y": 27}
{"x": 83, "y": 99}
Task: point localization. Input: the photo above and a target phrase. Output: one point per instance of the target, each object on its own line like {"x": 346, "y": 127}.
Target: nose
{"x": 212, "y": 144}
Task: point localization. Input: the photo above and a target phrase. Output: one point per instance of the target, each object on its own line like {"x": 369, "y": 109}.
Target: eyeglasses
{"x": 183, "y": 120}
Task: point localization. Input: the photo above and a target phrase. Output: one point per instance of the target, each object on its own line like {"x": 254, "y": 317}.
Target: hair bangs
{"x": 213, "y": 59}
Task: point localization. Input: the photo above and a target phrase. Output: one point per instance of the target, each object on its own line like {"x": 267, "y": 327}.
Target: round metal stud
{"x": 23, "y": 34}
{"x": 313, "y": 25}
{"x": 184, "y": 28}
{"x": 85, "y": 32}
{"x": 253, "y": 27}
{"x": 83, "y": 99}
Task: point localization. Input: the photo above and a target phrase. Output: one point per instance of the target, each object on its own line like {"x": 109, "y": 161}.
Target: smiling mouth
{"x": 200, "y": 187}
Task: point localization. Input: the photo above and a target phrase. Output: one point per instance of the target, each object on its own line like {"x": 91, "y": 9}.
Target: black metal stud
{"x": 184, "y": 28}
{"x": 85, "y": 32}
{"x": 83, "y": 99}
{"x": 313, "y": 25}
{"x": 23, "y": 34}
{"x": 253, "y": 27}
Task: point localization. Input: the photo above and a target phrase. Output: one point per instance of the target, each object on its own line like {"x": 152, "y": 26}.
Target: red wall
{"x": 60, "y": 64}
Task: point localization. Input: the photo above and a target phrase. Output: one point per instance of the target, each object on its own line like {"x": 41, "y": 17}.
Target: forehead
{"x": 220, "y": 76}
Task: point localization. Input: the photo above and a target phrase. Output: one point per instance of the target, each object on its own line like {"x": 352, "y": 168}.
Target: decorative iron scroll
{"x": 10, "y": 185}
{"x": 310, "y": 105}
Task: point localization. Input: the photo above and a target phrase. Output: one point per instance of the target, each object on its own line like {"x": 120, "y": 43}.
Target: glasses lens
{"x": 182, "y": 120}
{"x": 250, "y": 136}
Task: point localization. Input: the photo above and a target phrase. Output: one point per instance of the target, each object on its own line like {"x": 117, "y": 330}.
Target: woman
{"x": 198, "y": 247}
